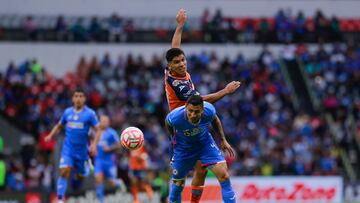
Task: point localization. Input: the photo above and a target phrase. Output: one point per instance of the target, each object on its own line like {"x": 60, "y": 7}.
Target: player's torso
{"x": 77, "y": 126}
{"x": 190, "y": 135}
{"x": 136, "y": 159}
{"x": 173, "y": 87}
{"x": 106, "y": 140}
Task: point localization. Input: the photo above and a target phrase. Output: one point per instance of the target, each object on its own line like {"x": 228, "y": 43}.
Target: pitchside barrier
{"x": 302, "y": 189}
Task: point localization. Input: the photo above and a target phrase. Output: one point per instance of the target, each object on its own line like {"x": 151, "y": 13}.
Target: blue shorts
{"x": 208, "y": 155}
{"x": 141, "y": 174}
{"x": 108, "y": 169}
{"x": 80, "y": 165}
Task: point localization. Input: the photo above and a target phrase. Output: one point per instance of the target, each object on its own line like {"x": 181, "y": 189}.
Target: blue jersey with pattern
{"x": 190, "y": 138}
{"x": 77, "y": 126}
{"x": 109, "y": 138}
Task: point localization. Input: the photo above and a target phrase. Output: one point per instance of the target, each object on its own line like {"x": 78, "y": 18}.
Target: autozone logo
{"x": 298, "y": 191}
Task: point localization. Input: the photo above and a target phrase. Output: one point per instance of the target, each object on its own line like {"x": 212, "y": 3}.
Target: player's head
{"x": 176, "y": 61}
{"x": 194, "y": 108}
{"x": 78, "y": 98}
{"x": 104, "y": 121}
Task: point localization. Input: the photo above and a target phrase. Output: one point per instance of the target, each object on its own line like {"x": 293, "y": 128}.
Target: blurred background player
{"x": 188, "y": 126}
{"x": 105, "y": 165}
{"x": 138, "y": 166}
{"x": 179, "y": 88}
{"x": 77, "y": 121}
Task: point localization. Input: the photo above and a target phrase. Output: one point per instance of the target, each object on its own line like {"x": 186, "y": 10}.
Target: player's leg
{"x": 180, "y": 168}
{"x": 145, "y": 185}
{"x": 210, "y": 155}
{"x": 134, "y": 187}
{"x": 110, "y": 174}
{"x": 198, "y": 181}
{"x": 99, "y": 181}
{"x": 66, "y": 163}
{"x": 221, "y": 172}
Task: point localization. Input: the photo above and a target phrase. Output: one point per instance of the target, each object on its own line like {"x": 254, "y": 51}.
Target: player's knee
{"x": 99, "y": 179}
{"x": 224, "y": 176}
{"x": 65, "y": 172}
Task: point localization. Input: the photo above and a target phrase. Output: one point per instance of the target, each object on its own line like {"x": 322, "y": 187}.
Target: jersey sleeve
{"x": 93, "y": 119}
{"x": 169, "y": 119}
{"x": 182, "y": 91}
{"x": 115, "y": 136}
{"x": 63, "y": 118}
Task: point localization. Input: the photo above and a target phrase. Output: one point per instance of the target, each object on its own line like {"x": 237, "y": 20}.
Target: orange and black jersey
{"x": 178, "y": 89}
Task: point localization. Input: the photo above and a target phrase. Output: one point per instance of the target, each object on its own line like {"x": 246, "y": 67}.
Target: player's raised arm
{"x": 53, "y": 132}
{"x": 180, "y": 19}
{"x": 229, "y": 89}
{"x": 224, "y": 145}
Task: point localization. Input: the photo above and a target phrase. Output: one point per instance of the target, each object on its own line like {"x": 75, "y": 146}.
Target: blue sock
{"x": 175, "y": 193}
{"x": 227, "y": 192}
{"x": 117, "y": 183}
{"x": 61, "y": 187}
{"x": 100, "y": 192}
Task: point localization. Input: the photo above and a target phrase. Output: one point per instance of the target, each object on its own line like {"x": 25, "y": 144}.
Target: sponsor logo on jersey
{"x": 75, "y": 125}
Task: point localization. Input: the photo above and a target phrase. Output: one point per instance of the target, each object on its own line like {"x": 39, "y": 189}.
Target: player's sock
{"x": 227, "y": 192}
{"x": 175, "y": 193}
{"x": 196, "y": 192}
{"x": 61, "y": 187}
{"x": 100, "y": 192}
{"x": 134, "y": 192}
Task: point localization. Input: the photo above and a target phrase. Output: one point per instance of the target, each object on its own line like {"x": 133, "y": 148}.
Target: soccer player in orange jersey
{"x": 179, "y": 87}
{"x": 137, "y": 172}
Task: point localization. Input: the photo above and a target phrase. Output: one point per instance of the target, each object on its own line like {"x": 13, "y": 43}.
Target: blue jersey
{"x": 108, "y": 138}
{"x": 77, "y": 125}
{"x": 190, "y": 138}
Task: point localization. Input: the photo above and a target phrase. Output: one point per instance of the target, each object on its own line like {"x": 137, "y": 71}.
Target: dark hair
{"x": 195, "y": 100}
{"x": 172, "y": 53}
{"x": 78, "y": 90}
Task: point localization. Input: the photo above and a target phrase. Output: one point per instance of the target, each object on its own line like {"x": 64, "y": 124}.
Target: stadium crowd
{"x": 284, "y": 26}
{"x": 270, "y": 136}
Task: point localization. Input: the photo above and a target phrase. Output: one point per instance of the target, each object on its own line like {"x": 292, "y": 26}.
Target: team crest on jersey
{"x": 176, "y": 82}
{"x": 75, "y": 117}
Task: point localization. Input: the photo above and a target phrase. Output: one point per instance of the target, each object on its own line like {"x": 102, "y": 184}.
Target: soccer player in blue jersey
{"x": 77, "y": 121}
{"x": 188, "y": 127}
{"x": 105, "y": 166}
{"x": 179, "y": 87}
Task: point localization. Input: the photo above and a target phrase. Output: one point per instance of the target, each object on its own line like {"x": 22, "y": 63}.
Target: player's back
{"x": 178, "y": 89}
{"x": 190, "y": 137}
{"x": 108, "y": 138}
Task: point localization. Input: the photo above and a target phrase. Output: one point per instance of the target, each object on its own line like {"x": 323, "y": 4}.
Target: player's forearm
{"x": 176, "y": 40}
{"x": 97, "y": 135}
{"x": 55, "y": 130}
{"x": 218, "y": 128}
{"x": 169, "y": 129}
{"x": 214, "y": 97}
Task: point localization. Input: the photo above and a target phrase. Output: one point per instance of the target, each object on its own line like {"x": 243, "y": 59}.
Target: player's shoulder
{"x": 112, "y": 130}
{"x": 177, "y": 114}
{"x": 68, "y": 110}
{"x": 209, "y": 109}
{"x": 89, "y": 110}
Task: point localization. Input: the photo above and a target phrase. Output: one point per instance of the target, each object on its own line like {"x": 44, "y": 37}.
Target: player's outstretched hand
{"x": 181, "y": 17}
{"x": 48, "y": 138}
{"x": 232, "y": 86}
{"x": 93, "y": 150}
{"x": 225, "y": 147}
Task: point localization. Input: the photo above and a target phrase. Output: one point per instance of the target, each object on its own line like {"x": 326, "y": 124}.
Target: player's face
{"x": 78, "y": 99}
{"x": 194, "y": 113}
{"x": 178, "y": 65}
{"x": 104, "y": 121}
